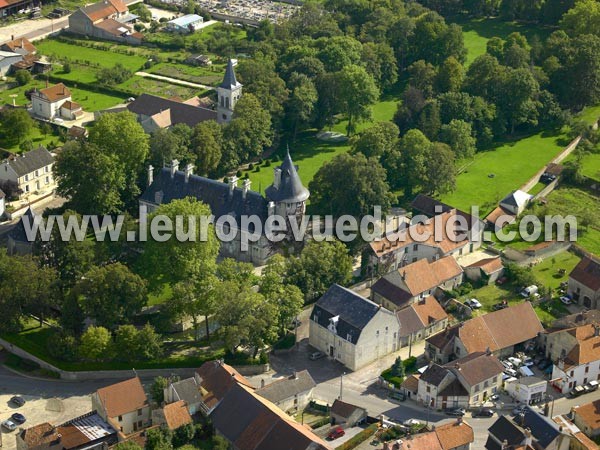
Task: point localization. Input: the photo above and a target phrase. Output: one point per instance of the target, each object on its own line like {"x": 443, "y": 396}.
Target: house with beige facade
{"x": 466, "y": 382}
{"x": 352, "y": 329}
{"x": 31, "y": 172}
{"x": 292, "y": 393}
{"x": 446, "y": 234}
{"x": 587, "y": 418}
{"x": 576, "y": 356}
{"x": 124, "y": 406}
{"x": 584, "y": 282}
{"x": 418, "y": 280}
{"x": 501, "y": 332}
{"x": 106, "y": 19}
{"x": 420, "y": 320}
{"x": 485, "y": 271}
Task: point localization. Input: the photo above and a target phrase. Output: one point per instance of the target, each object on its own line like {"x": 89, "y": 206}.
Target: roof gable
{"x": 31, "y": 161}
{"x": 587, "y": 272}
{"x": 123, "y": 397}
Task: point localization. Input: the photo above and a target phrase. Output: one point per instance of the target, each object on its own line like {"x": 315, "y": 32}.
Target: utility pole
{"x": 342, "y": 384}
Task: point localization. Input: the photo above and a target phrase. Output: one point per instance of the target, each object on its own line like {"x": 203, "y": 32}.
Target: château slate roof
{"x": 229, "y": 80}
{"x": 290, "y": 188}
{"x": 353, "y": 311}
{"x": 504, "y": 429}
{"x": 212, "y": 192}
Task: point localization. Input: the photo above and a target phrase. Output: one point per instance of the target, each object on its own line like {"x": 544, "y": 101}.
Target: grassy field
{"x": 308, "y": 153}
{"x": 210, "y": 76}
{"x": 477, "y": 32}
{"x": 51, "y": 47}
{"x": 140, "y": 85}
{"x": 511, "y": 164}
{"x": 382, "y": 111}
{"x": 36, "y": 137}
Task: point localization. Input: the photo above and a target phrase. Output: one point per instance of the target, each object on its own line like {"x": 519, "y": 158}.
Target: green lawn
{"x": 511, "y": 164}
{"x": 382, "y": 111}
{"x": 36, "y": 137}
{"x": 139, "y": 85}
{"x": 308, "y": 153}
{"x": 547, "y": 271}
{"x": 210, "y": 76}
{"x": 477, "y": 32}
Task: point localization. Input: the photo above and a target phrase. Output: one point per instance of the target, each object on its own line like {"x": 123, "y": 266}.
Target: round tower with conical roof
{"x": 287, "y": 195}
{"x": 228, "y": 94}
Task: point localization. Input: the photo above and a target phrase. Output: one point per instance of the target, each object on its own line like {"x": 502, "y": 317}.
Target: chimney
{"x": 528, "y": 439}
{"x": 403, "y": 275}
{"x": 488, "y": 352}
{"x": 295, "y": 375}
{"x": 232, "y": 184}
{"x": 174, "y": 167}
{"x": 189, "y": 169}
{"x": 504, "y": 444}
{"x": 271, "y": 208}
{"x": 596, "y": 329}
{"x": 277, "y": 177}
{"x": 12, "y": 37}
{"x": 245, "y": 187}
{"x": 459, "y": 420}
{"x": 521, "y": 419}
{"x": 150, "y": 174}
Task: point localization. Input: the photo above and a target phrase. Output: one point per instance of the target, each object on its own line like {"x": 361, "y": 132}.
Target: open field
{"x": 36, "y": 138}
{"x": 383, "y": 111}
{"x": 210, "y": 76}
{"x": 477, "y": 32}
{"x": 511, "y": 164}
{"x": 140, "y": 85}
{"x": 308, "y": 153}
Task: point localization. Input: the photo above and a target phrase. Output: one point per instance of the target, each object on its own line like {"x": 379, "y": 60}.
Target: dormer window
{"x": 349, "y": 337}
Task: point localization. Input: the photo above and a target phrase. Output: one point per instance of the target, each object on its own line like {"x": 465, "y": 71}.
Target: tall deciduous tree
{"x": 350, "y": 184}
{"x": 207, "y": 146}
{"x": 319, "y": 265}
{"x": 95, "y": 343}
{"x": 111, "y": 295}
{"x": 415, "y": 149}
{"x": 441, "y": 172}
{"x": 357, "y": 92}
{"x": 17, "y": 124}
{"x": 382, "y": 137}
{"x": 302, "y": 101}
{"x": 458, "y": 135}
{"x": 76, "y": 165}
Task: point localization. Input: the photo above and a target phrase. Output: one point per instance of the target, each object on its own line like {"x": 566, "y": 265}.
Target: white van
{"x": 529, "y": 291}
{"x": 525, "y": 371}
{"x": 510, "y": 372}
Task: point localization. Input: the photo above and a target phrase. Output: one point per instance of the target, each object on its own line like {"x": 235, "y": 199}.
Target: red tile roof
{"x": 123, "y": 397}
{"x": 177, "y": 414}
{"x": 587, "y": 272}
{"x": 454, "y": 434}
{"x": 590, "y": 414}
{"x": 57, "y": 92}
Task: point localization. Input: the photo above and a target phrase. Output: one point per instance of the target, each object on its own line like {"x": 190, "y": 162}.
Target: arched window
{"x": 226, "y": 102}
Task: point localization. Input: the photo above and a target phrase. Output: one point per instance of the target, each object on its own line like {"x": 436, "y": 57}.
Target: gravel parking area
{"x": 39, "y": 409}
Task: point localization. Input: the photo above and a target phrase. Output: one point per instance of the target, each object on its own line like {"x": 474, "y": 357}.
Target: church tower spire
{"x": 228, "y": 94}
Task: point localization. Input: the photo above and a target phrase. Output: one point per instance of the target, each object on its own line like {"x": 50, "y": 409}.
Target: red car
{"x": 336, "y": 433}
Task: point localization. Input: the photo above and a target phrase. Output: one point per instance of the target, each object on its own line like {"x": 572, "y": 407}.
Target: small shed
{"x": 347, "y": 415}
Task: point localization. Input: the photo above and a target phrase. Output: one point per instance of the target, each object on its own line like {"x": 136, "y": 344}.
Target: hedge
{"x": 359, "y": 438}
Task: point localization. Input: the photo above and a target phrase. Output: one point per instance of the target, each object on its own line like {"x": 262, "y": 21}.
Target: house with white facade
{"x": 124, "y": 406}
{"x": 584, "y": 282}
{"x": 352, "y": 329}
{"x": 292, "y": 393}
{"x": 418, "y": 280}
{"x": 30, "y": 172}
{"x": 55, "y": 102}
{"x": 468, "y": 381}
{"x": 576, "y": 356}
{"x": 526, "y": 390}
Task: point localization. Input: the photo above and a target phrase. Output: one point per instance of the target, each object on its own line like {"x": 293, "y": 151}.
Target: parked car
{"x": 507, "y": 364}
{"x": 18, "y": 418}
{"x": 483, "y": 412}
{"x": 459, "y": 412}
{"x": 518, "y": 410}
{"x": 335, "y": 433}
{"x": 17, "y": 400}
{"x": 516, "y": 362}
{"x": 591, "y": 386}
{"x": 494, "y": 397}
{"x": 510, "y": 372}
{"x": 528, "y": 362}
{"x": 9, "y": 425}
{"x": 499, "y": 306}
{"x": 566, "y": 300}
{"x": 411, "y": 422}
{"x": 473, "y": 303}
{"x": 577, "y": 391}
{"x": 529, "y": 291}
{"x": 316, "y": 355}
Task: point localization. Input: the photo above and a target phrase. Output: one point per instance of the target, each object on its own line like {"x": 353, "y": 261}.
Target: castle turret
{"x": 228, "y": 94}
{"x": 287, "y": 191}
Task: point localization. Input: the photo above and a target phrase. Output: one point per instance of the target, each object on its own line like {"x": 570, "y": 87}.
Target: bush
{"x": 268, "y": 163}
{"x": 66, "y": 67}
{"x": 183, "y": 435}
{"x": 359, "y": 438}
{"x": 238, "y": 174}
{"x": 263, "y": 358}
{"x": 321, "y": 422}
{"x": 115, "y": 75}
{"x": 410, "y": 364}
{"x": 275, "y": 158}
{"x": 390, "y": 378}
{"x": 288, "y": 341}
{"x": 62, "y": 346}
{"x": 23, "y": 77}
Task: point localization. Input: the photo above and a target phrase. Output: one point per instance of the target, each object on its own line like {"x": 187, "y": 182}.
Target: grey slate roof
{"x": 149, "y": 105}
{"x": 188, "y": 390}
{"x": 504, "y": 429}
{"x": 391, "y": 292}
{"x": 434, "y": 374}
{"x": 18, "y": 234}
{"x": 229, "y": 80}
{"x": 354, "y": 311}
{"x": 214, "y": 193}
{"x": 410, "y": 322}
{"x": 287, "y": 387}
{"x": 290, "y": 188}
{"x": 543, "y": 429}
{"x": 31, "y": 161}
